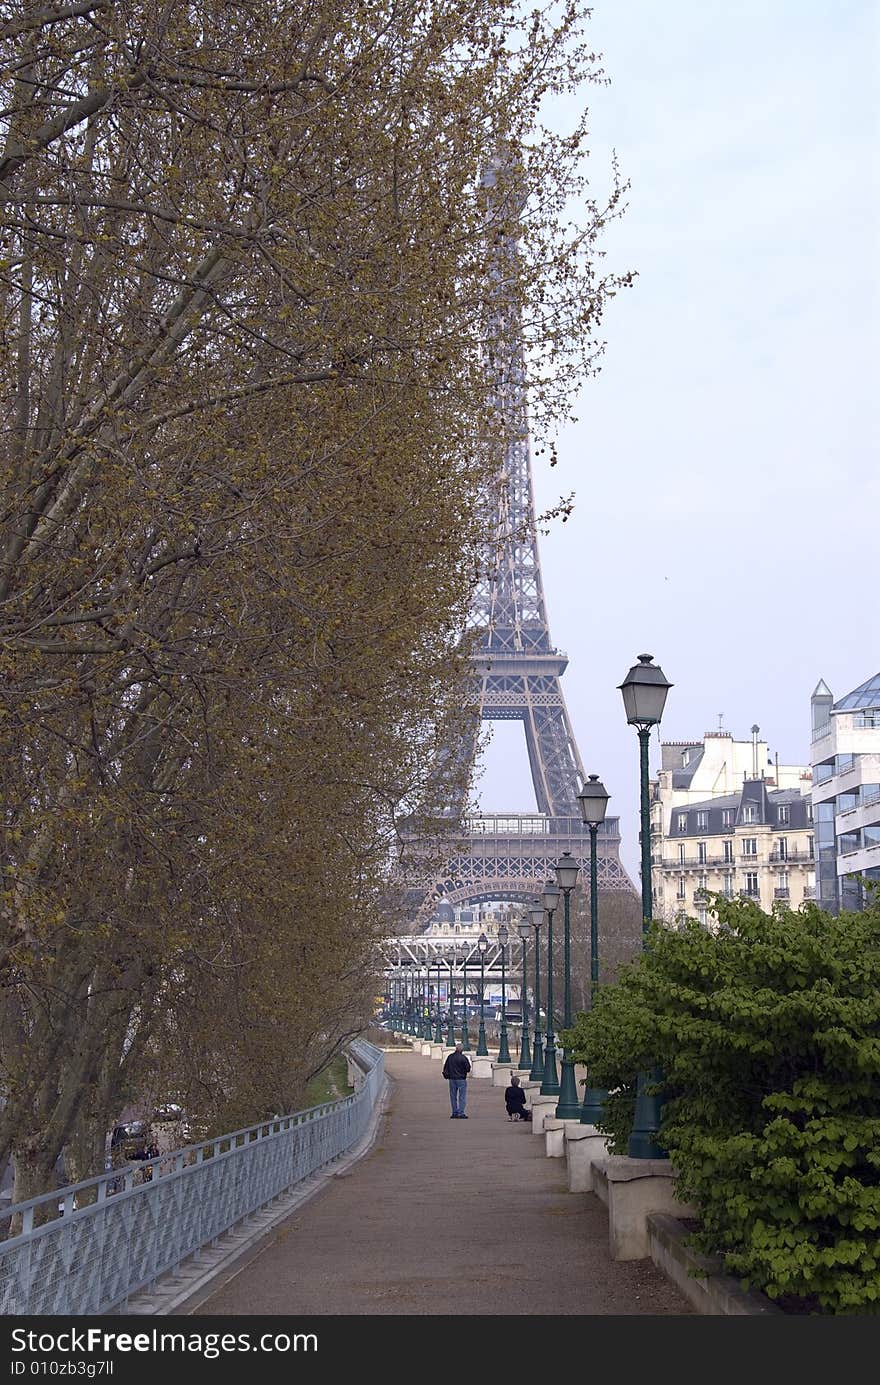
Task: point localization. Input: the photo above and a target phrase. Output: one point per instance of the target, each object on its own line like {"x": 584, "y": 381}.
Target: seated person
{"x": 515, "y": 1100}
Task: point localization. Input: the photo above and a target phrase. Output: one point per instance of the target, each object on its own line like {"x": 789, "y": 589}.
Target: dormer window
{"x": 682, "y": 822}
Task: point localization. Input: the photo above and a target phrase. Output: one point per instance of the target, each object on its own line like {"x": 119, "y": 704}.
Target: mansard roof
{"x": 755, "y": 793}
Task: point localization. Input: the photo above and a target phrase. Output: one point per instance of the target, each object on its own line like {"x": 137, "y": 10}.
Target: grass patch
{"x": 330, "y": 1084}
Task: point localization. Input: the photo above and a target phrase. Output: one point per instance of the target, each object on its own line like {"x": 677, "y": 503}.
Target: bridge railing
{"x": 112, "y": 1236}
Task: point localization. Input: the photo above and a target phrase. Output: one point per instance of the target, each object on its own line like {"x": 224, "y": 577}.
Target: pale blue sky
{"x": 725, "y": 461}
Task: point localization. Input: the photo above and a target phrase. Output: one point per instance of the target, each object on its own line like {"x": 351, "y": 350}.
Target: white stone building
{"x": 845, "y": 757}
{"x": 726, "y": 817}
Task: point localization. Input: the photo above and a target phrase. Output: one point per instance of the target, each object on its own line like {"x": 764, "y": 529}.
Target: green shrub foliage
{"x": 767, "y": 1033}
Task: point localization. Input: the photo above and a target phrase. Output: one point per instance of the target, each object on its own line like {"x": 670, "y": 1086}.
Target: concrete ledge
{"x": 631, "y": 1189}
{"x": 481, "y": 1067}
{"x": 699, "y": 1277}
{"x": 542, "y": 1108}
{"x": 501, "y": 1074}
{"x": 583, "y": 1146}
{"x": 554, "y": 1131}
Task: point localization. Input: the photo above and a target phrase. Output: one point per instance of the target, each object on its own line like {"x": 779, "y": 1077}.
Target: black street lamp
{"x": 503, "y": 1050}
{"x": 550, "y": 1084}
{"x": 426, "y": 1004}
{"x": 644, "y": 692}
{"x": 593, "y": 799}
{"x": 438, "y": 1018}
{"x": 465, "y": 1037}
{"x": 536, "y": 914}
{"x": 568, "y": 1107}
{"x": 450, "y": 1026}
{"x": 525, "y": 1057}
{"x": 482, "y": 948}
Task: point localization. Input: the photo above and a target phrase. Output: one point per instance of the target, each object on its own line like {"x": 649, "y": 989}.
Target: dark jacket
{"x": 514, "y": 1099}
{"x": 456, "y": 1065}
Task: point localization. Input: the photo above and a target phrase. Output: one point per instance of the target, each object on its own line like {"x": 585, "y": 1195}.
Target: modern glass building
{"x": 845, "y": 760}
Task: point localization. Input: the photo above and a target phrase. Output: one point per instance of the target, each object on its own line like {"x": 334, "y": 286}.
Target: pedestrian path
{"x": 445, "y": 1217}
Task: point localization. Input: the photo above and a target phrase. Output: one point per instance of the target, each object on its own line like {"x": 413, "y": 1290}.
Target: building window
{"x": 726, "y": 817}
{"x": 811, "y": 847}
{"x": 752, "y": 883}
{"x": 728, "y": 851}
{"x": 782, "y": 849}
{"x": 703, "y": 916}
{"x": 680, "y": 894}
{"x": 728, "y": 885}
{"x": 750, "y": 846}
{"x": 784, "y": 815}
{"x": 750, "y": 812}
{"x": 682, "y": 822}
{"x": 702, "y": 821}
{"x": 810, "y": 810}
{"x": 704, "y": 881}
{"x": 681, "y": 851}
{"x": 701, "y": 852}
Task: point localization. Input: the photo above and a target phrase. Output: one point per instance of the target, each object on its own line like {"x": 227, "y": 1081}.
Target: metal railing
{"x": 114, "y": 1237}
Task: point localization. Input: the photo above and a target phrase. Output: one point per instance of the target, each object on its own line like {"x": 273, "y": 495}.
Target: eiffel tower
{"x": 517, "y": 668}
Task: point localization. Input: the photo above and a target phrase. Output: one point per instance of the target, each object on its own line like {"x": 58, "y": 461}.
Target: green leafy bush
{"x": 768, "y": 1036}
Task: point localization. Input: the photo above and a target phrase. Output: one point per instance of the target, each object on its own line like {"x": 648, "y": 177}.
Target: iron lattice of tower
{"x": 517, "y": 669}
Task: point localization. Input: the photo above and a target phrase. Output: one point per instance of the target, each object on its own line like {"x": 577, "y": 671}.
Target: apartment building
{"x": 845, "y": 757}
{"x": 727, "y": 817}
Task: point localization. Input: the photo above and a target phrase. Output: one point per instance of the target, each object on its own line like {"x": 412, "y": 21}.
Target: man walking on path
{"x": 455, "y": 1070}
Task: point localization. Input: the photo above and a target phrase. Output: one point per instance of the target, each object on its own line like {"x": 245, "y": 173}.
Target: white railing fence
{"x": 115, "y": 1236}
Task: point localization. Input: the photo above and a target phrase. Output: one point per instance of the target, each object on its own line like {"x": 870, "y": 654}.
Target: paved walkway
{"x": 443, "y": 1217}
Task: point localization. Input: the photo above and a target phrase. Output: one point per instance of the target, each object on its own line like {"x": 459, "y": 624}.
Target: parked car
{"x": 130, "y": 1140}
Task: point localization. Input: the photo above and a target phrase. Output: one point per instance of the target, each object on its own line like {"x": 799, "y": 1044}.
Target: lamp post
{"x": 644, "y": 692}
{"x": 593, "y": 799}
{"x": 536, "y": 914}
{"x": 525, "y": 1057}
{"x": 550, "y": 1083}
{"x": 465, "y": 1037}
{"x": 482, "y": 948}
{"x": 438, "y": 1018}
{"x": 424, "y": 1009}
{"x": 450, "y": 1025}
{"x": 567, "y": 871}
{"x": 428, "y": 1026}
{"x": 503, "y": 1050}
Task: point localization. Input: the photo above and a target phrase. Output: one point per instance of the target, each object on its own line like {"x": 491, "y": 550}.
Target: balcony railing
{"x": 782, "y": 892}
{"x": 698, "y": 865}
{"x": 865, "y": 803}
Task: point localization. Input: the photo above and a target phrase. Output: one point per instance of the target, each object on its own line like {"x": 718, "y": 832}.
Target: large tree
{"x": 243, "y": 285}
